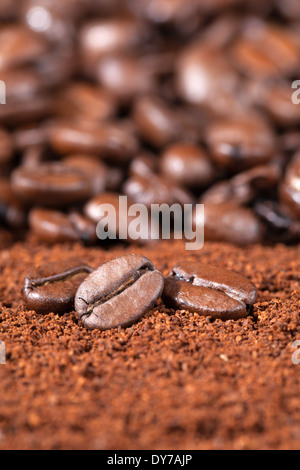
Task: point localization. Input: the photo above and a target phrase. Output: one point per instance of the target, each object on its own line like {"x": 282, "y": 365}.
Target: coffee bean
{"x": 231, "y": 223}
{"x": 87, "y": 101}
{"x": 52, "y": 185}
{"x": 110, "y": 141}
{"x": 160, "y": 124}
{"x": 205, "y": 77}
{"x": 52, "y": 226}
{"x": 155, "y": 190}
{"x": 277, "y": 102}
{"x": 187, "y": 165}
{"x": 244, "y": 187}
{"x": 18, "y": 46}
{"x": 95, "y": 170}
{"x": 241, "y": 143}
{"x": 101, "y": 37}
{"x": 52, "y": 287}
{"x": 125, "y": 77}
{"x": 209, "y": 291}
{"x": 281, "y": 228}
{"x": 290, "y": 188}
{"x": 118, "y": 293}
{"x": 254, "y": 54}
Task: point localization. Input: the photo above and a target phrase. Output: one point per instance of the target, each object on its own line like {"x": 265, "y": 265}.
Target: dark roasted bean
{"x": 290, "y": 188}
{"x": 95, "y": 170}
{"x": 52, "y": 226}
{"x": 107, "y": 36}
{"x": 52, "y": 287}
{"x": 206, "y": 78}
{"x": 107, "y": 141}
{"x": 209, "y": 291}
{"x": 125, "y": 77}
{"x": 18, "y": 46}
{"x": 271, "y": 52}
{"x": 231, "y": 223}
{"x": 118, "y": 293}
{"x": 187, "y": 165}
{"x": 244, "y": 187}
{"x": 52, "y": 185}
{"x": 87, "y": 101}
{"x": 159, "y": 124}
{"x": 241, "y": 143}
{"x": 155, "y": 190}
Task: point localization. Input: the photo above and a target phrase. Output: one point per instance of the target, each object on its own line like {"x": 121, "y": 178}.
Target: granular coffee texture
{"x": 174, "y": 380}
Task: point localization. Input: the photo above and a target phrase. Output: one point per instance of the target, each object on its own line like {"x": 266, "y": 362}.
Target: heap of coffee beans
{"x": 162, "y": 101}
{"x": 121, "y": 291}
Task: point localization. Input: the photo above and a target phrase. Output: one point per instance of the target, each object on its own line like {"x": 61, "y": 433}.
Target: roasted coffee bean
{"x": 19, "y": 45}
{"x": 107, "y": 36}
{"x": 290, "y": 187}
{"x": 205, "y": 77}
{"x": 110, "y": 141}
{"x": 52, "y": 287}
{"x": 12, "y": 211}
{"x": 281, "y": 227}
{"x": 187, "y": 165}
{"x": 118, "y": 293}
{"x": 269, "y": 53}
{"x": 114, "y": 220}
{"x": 87, "y": 101}
{"x": 231, "y": 223}
{"x": 95, "y": 170}
{"x": 6, "y": 147}
{"x": 209, "y": 291}
{"x": 241, "y": 143}
{"x": 159, "y": 124}
{"x": 125, "y": 77}
{"x": 52, "y": 185}
{"x": 244, "y": 187}
{"x": 155, "y": 190}
{"x": 52, "y": 226}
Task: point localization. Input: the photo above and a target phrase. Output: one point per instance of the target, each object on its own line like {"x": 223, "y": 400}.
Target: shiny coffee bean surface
{"x": 52, "y": 287}
{"x": 118, "y": 293}
{"x": 209, "y": 291}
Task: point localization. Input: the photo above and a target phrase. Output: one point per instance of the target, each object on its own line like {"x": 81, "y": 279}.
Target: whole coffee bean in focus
{"x": 209, "y": 291}
{"x": 118, "y": 293}
{"x": 52, "y": 287}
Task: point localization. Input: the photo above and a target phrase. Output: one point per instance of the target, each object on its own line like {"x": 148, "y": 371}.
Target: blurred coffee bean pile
{"x": 164, "y": 101}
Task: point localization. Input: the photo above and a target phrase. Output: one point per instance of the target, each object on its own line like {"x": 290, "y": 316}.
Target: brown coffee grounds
{"x": 174, "y": 380}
